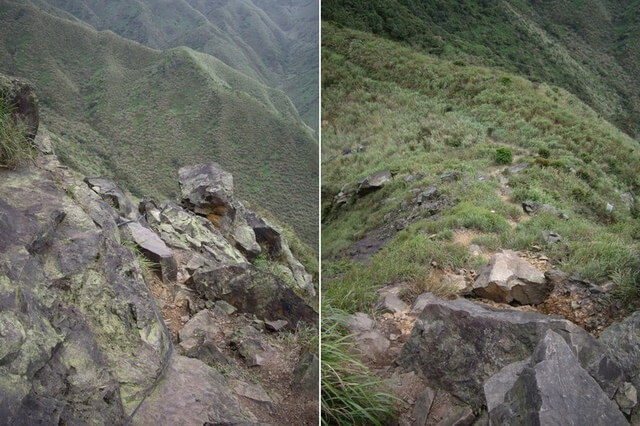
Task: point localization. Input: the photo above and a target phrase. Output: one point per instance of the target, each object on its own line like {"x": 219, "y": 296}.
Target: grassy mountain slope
{"x": 589, "y": 47}
{"x": 417, "y": 113}
{"x": 139, "y": 114}
{"x": 273, "y": 41}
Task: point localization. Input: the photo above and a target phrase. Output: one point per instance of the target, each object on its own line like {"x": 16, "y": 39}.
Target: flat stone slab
{"x": 155, "y": 249}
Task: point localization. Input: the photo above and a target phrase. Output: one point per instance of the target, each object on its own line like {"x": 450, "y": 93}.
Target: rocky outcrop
{"x": 81, "y": 339}
{"x": 19, "y": 95}
{"x": 374, "y": 182}
{"x": 550, "y": 388}
{"x": 113, "y": 195}
{"x": 155, "y": 249}
{"x": 459, "y": 344}
{"x": 508, "y": 278}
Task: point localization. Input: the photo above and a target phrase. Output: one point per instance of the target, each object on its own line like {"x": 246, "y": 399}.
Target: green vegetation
{"x": 137, "y": 114}
{"x": 504, "y": 156}
{"x": 589, "y": 47}
{"x": 15, "y": 147}
{"x": 250, "y": 36}
{"x": 416, "y": 113}
{"x": 351, "y": 394}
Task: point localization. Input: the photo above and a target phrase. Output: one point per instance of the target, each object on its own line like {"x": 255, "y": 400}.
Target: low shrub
{"x": 503, "y": 156}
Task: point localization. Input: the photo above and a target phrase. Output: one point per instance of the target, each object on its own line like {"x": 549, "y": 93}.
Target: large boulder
{"x": 207, "y": 190}
{"x": 19, "y": 95}
{"x": 254, "y": 291}
{"x": 374, "y": 182}
{"x": 81, "y": 341}
{"x": 459, "y": 344}
{"x": 192, "y": 394}
{"x": 508, "y": 278}
{"x": 550, "y": 388}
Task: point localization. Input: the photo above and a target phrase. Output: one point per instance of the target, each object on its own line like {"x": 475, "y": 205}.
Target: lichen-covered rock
{"x": 83, "y": 342}
{"x": 551, "y": 388}
{"x": 459, "y": 344}
{"x": 508, "y": 278}
{"x": 18, "y": 94}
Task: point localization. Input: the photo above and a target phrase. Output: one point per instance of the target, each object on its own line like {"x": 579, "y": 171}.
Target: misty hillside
{"x": 138, "y": 114}
{"x": 275, "y": 42}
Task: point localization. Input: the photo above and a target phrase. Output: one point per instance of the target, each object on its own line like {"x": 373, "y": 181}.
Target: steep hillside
{"x": 588, "y": 47}
{"x": 436, "y": 174}
{"x": 273, "y": 41}
{"x": 138, "y": 114}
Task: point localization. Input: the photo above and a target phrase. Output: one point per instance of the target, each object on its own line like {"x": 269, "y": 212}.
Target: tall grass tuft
{"x": 351, "y": 393}
{"x": 15, "y": 147}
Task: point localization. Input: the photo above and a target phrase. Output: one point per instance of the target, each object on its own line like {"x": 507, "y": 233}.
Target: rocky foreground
{"x": 92, "y": 332}
{"x": 517, "y": 342}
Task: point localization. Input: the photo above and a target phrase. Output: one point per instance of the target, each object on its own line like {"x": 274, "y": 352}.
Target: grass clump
{"x": 503, "y": 156}
{"x": 147, "y": 266}
{"x": 351, "y": 393}
{"x": 15, "y": 146}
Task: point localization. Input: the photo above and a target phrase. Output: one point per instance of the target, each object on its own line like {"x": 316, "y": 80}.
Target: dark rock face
{"x": 374, "y": 182}
{"x": 551, "y": 388}
{"x": 622, "y": 341}
{"x": 307, "y": 373}
{"x": 459, "y": 344}
{"x": 21, "y": 97}
{"x": 267, "y": 235}
{"x": 81, "y": 341}
{"x": 509, "y": 278}
{"x": 254, "y": 291}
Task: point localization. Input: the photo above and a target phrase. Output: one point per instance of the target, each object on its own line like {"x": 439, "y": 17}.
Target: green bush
{"x": 504, "y": 156}
{"x": 544, "y": 152}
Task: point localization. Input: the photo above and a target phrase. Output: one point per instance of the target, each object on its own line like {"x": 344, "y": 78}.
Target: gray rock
{"x": 427, "y": 194}
{"x": 391, "y": 303}
{"x": 627, "y": 397}
{"x": 208, "y": 191}
{"x": 461, "y": 416}
{"x": 306, "y": 375}
{"x": 422, "y": 407}
{"x": 254, "y": 351}
{"x": 374, "y": 182}
{"x": 197, "y": 339}
{"x": 459, "y": 344}
{"x": 497, "y": 386}
{"x": 622, "y": 341}
{"x": 509, "y": 278}
{"x": 245, "y": 239}
{"x": 550, "y": 237}
{"x": 554, "y": 389}
{"x": 475, "y": 250}
{"x": 359, "y": 322}
{"x": 253, "y": 391}
{"x": 533, "y": 207}
{"x": 517, "y": 168}
{"x": 225, "y": 307}
{"x": 113, "y": 195}
{"x": 192, "y": 393}
{"x": 372, "y": 344}
{"x": 450, "y": 177}
{"x": 155, "y": 250}
{"x": 275, "y": 325}
{"x": 414, "y": 177}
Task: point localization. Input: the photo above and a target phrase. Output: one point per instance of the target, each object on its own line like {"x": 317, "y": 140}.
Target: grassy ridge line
{"x": 416, "y": 113}
{"x": 588, "y": 47}
{"x": 140, "y": 114}
{"x": 266, "y": 40}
